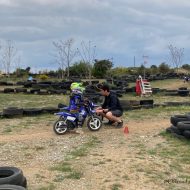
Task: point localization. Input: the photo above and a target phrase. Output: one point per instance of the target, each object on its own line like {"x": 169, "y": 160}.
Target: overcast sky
{"x": 120, "y": 29}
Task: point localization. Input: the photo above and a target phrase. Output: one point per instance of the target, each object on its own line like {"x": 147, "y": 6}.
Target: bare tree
{"x": 177, "y": 55}
{"x": 64, "y": 54}
{"x": 8, "y": 55}
{"x": 87, "y": 54}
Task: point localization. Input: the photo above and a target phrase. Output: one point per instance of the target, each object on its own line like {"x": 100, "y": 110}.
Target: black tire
{"x": 125, "y": 104}
{"x": 146, "y": 102}
{"x": 155, "y": 90}
{"x": 32, "y": 111}
{"x": 34, "y": 91}
{"x": 18, "y": 90}
{"x": 177, "y": 118}
{"x": 11, "y": 175}
{"x": 9, "y": 90}
{"x": 174, "y": 129}
{"x": 50, "y": 109}
{"x": 60, "y": 91}
{"x": 11, "y": 187}
{"x": 183, "y": 92}
{"x": 134, "y": 102}
{"x": 169, "y": 130}
{"x": 148, "y": 106}
{"x": 12, "y": 111}
{"x": 182, "y": 88}
{"x": 178, "y": 136}
{"x": 21, "y": 83}
{"x": 186, "y": 134}
{"x": 60, "y": 127}
{"x": 94, "y": 123}
{"x": 184, "y": 125}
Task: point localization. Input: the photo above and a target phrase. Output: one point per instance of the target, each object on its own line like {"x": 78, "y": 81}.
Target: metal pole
{"x": 145, "y": 57}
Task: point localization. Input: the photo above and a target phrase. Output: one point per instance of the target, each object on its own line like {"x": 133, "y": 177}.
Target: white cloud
{"x": 120, "y": 28}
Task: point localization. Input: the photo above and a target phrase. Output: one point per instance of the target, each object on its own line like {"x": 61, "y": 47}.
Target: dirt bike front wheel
{"x": 94, "y": 123}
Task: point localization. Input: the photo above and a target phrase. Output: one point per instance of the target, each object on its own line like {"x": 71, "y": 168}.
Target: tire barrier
{"x": 177, "y": 103}
{"x": 147, "y": 103}
{"x": 34, "y": 91}
{"x": 12, "y": 111}
{"x": 32, "y": 111}
{"x": 186, "y": 134}
{"x": 130, "y": 104}
{"x": 171, "y": 93}
{"x": 20, "y": 83}
{"x": 155, "y": 90}
{"x": 184, "y": 92}
{"x": 42, "y": 92}
{"x": 11, "y": 187}
{"x": 9, "y": 90}
{"x": 2, "y": 83}
{"x": 180, "y": 126}
{"x": 50, "y": 109}
{"x": 177, "y": 118}
{"x": 174, "y": 129}
{"x": 131, "y": 89}
{"x": 12, "y": 176}
{"x": 183, "y": 125}
{"x": 19, "y": 90}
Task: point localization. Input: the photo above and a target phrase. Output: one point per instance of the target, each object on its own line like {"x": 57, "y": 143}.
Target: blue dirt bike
{"x": 69, "y": 121}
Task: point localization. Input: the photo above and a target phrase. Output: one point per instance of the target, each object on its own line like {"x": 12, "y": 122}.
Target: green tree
{"x": 141, "y": 70}
{"x": 79, "y": 69}
{"x": 164, "y": 68}
{"x": 154, "y": 69}
{"x": 118, "y": 71}
{"x": 186, "y": 66}
{"x": 101, "y": 68}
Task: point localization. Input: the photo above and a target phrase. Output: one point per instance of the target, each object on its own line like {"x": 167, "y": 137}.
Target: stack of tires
{"x": 183, "y": 91}
{"x": 180, "y": 126}
{"x": 12, "y": 178}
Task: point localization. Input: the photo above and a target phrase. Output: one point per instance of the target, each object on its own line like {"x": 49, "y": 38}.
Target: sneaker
{"x": 119, "y": 124}
{"x": 79, "y": 131}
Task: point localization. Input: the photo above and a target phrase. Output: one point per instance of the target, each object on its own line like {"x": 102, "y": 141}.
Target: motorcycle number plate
{"x": 70, "y": 118}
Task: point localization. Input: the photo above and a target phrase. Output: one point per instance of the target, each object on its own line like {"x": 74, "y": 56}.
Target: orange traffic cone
{"x": 126, "y": 130}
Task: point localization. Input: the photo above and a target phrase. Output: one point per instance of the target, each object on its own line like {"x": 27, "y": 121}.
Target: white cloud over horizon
{"x": 120, "y": 29}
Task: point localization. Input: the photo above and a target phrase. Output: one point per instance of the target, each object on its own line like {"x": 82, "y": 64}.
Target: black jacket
{"x": 111, "y": 102}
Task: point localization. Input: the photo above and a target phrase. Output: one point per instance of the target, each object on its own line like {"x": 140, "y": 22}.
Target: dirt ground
{"x": 118, "y": 161}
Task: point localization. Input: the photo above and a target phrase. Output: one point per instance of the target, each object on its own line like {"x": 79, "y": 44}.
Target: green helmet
{"x": 77, "y": 86}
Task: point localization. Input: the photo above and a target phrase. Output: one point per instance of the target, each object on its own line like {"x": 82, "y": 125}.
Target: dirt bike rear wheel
{"x": 60, "y": 127}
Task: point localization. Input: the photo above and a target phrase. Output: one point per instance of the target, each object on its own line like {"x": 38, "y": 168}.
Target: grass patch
{"x": 39, "y": 148}
{"x": 30, "y": 100}
{"x": 116, "y": 186}
{"x": 59, "y": 178}
{"x": 7, "y": 130}
{"x": 126, "y": 177}
{"x": 84, "y": 149}
{"x": 62, "y": 167}
{"x": 66, "y": 167}
{"x": 155, "y": 113}
{"x": 48, "y": 187}
{"x": 74, "y": 175}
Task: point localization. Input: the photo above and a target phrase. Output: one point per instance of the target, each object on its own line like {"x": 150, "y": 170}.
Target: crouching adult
{"x": 111, "y": 108}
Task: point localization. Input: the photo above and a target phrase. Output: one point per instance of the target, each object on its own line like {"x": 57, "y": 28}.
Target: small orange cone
{"x": 126, "y": 130}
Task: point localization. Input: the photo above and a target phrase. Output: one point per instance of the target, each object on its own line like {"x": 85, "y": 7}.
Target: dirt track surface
{"x": 119, "y": 161}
